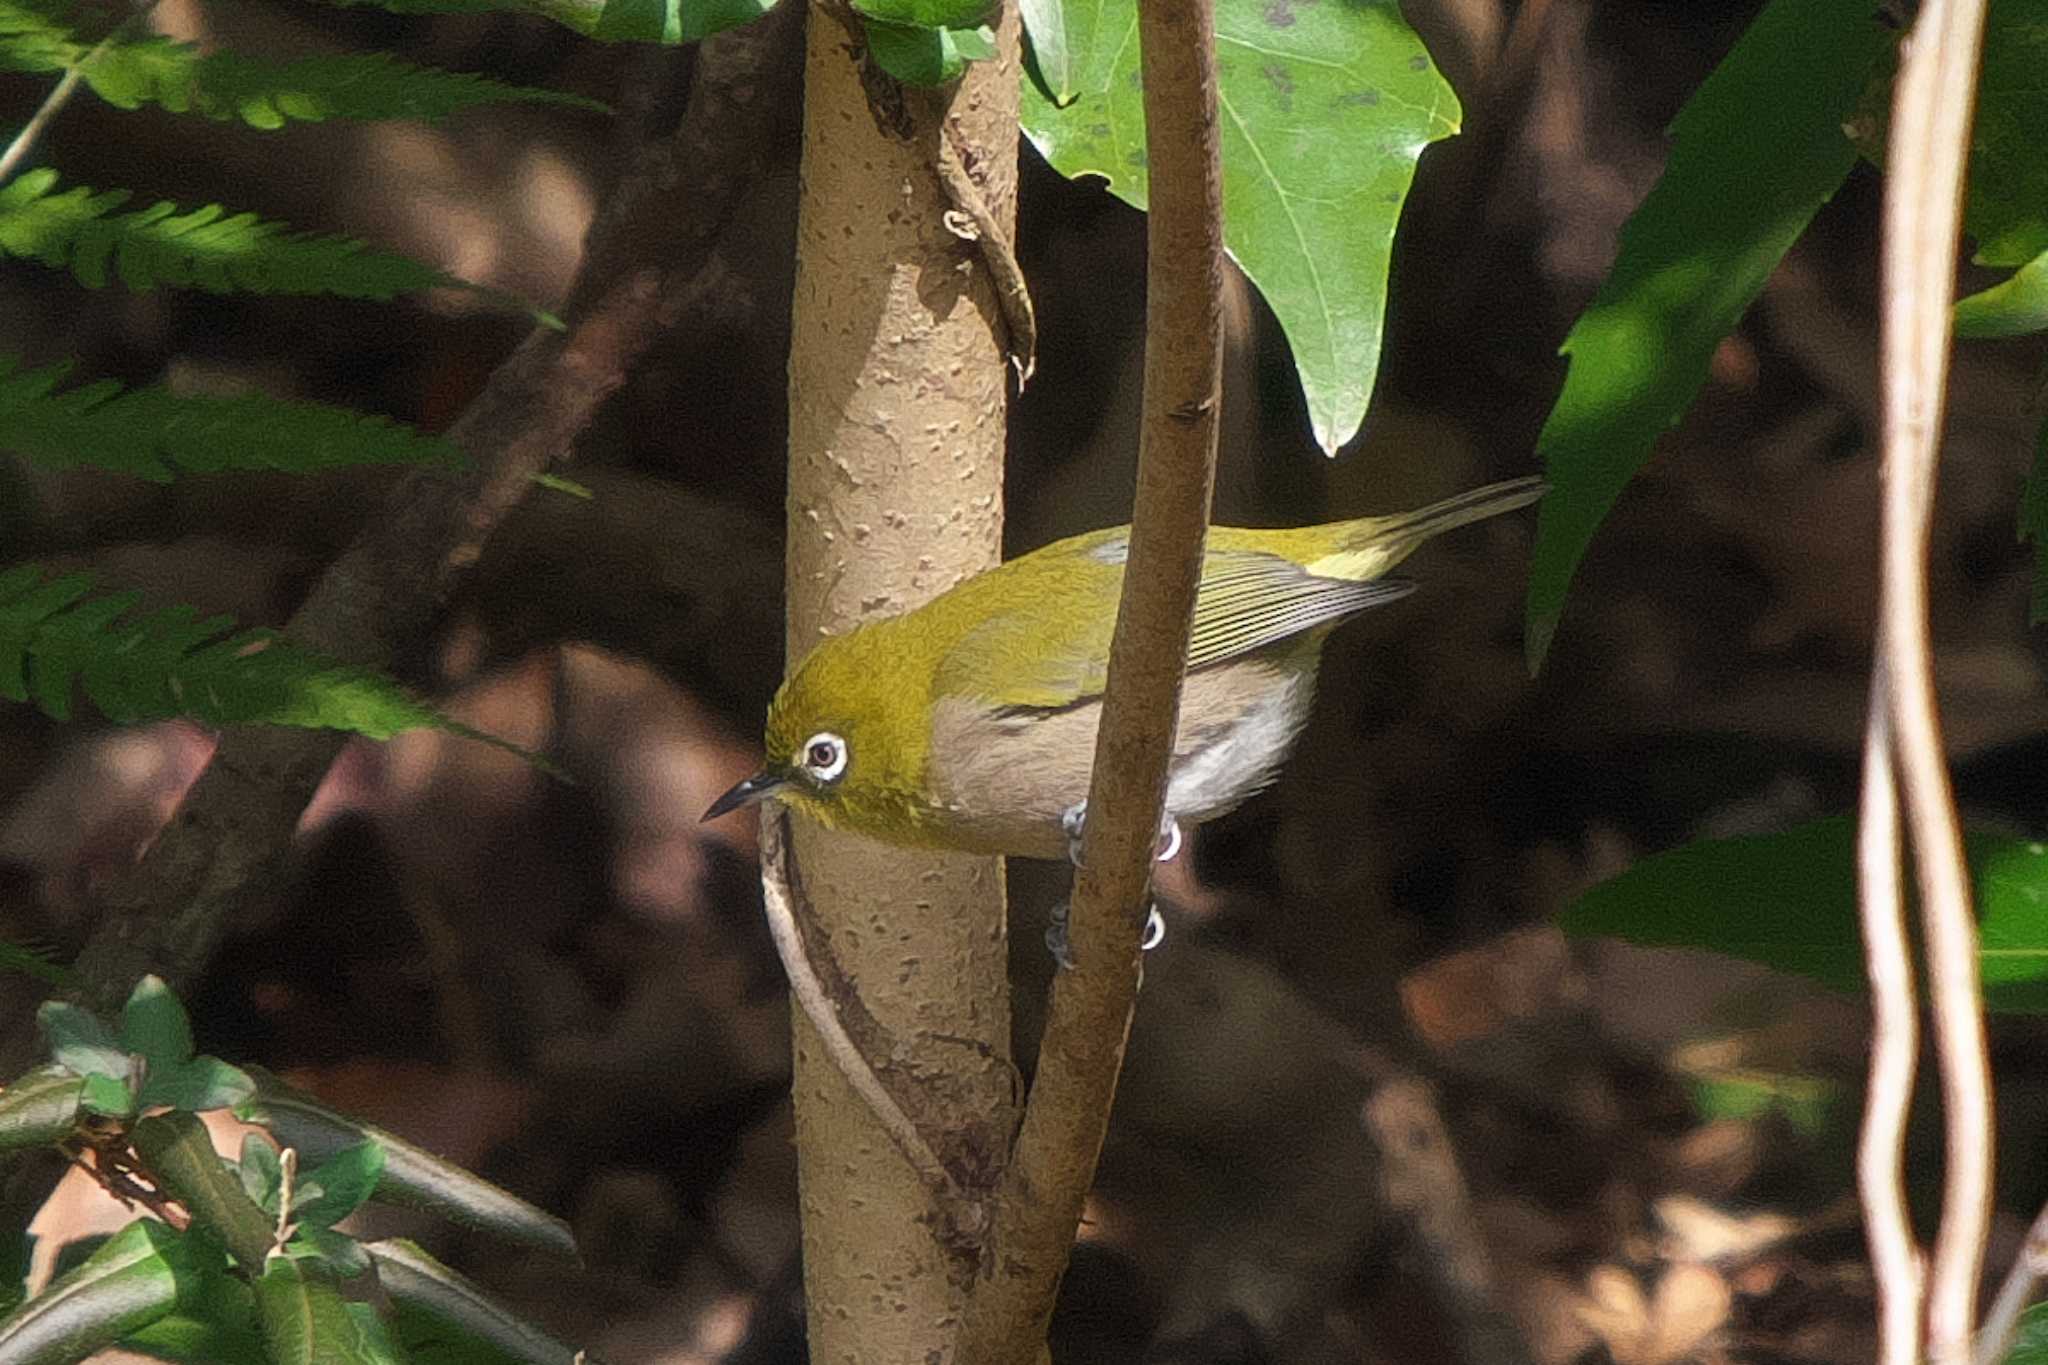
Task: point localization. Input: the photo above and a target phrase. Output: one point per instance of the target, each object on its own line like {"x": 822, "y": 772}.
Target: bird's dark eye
{"x": 824, "y": 756}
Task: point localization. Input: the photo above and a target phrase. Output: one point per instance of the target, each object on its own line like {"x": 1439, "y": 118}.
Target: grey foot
{"x": 1062, "y": 949}
{"x": 1075, "y": 818}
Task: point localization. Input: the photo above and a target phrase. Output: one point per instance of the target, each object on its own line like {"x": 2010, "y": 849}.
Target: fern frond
{"x": 206, "y": 248}
{"x": 36, "y": 35}
{"x": 153, "y": 433}
{"x": 32, "y": 959}
{"x": 57, "y": 635}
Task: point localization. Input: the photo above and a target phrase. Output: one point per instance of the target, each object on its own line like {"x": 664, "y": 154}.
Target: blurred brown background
{"x": 1376, "y": 1110}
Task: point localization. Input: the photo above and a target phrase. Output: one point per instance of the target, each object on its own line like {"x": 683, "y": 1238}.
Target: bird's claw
{"x": 1062, "y": 948}
{"x": 1074, "y": 820}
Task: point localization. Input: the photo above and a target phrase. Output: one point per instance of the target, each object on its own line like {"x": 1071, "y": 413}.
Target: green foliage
{"x": 2015, "y": 306}
{"x": 2030, "y": 1344}
{"x": 31, "y": 960}
{"x": 926, "y": 56}
{"x": 262, "y": 1274}
{"x": 153, "y": 433}
{"x": 205, "y": 248}
{"x": 153, "y": 1047}
{"x": 1325, "y": 109}
{"x": 129, "y": 72}
{"x": 55, "y": 636}
{"x": 1788, "y": 901}
{"x": 1050, "y": 60}
{"x": 1754, "y": 154}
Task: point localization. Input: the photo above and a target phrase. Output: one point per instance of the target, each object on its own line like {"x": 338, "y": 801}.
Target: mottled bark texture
{"x": 897, "y": 402}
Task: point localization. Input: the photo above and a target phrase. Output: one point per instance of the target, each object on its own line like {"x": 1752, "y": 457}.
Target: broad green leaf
{"x": 1047, "y": 57}
{"x": 2030, "y": 1345}
{"x": 1754, "y": 154}
{"x": 306, "y": 1321}
{"x": 260, "y": 1170}
{"x": 2007, "y": 209}
{"x": 2016, "y": 306}
{"x": 79, "y": 1040}
{"x": 416, "y": 1281}
{"x": 412, "y": 1176}
{"x": 178, "y": 1151}
{"x": 136, "y": 1277}
{"x": 17, "y": 1249}
{"x": 1788, "y": 901}
{"x": 153, "y": 1023}
{"x": 345, "y": 1181}
{"x": 926, "y": 56}
{"x": 109, "y": 1096}
{"x": 2034, "y": 524}
{"x": 925, "y": 13}
{"x": 1325, "y": 109}
{"x": 40, "y": 1107}
{"x": 200, "y": 1084}
{"x": 340, "y": 1253}
{"x": 658, "y": 21}
{"x": 214, "y": 1323}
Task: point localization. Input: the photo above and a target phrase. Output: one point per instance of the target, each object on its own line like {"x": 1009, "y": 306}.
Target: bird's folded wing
{"x": 1042, "y": 655}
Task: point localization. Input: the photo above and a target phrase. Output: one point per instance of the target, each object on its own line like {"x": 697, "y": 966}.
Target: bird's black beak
{"x": 760, "y": 786}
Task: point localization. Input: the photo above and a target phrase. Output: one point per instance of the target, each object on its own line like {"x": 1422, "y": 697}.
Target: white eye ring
{"x": 823, "y": 756}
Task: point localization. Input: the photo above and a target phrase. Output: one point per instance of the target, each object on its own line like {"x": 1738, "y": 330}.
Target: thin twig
{"x": 821, "y": 1005}
{"x": 1933, "y": 102}
{"x": 1894, "y": 1045}
{"x": 998, "y": 253}
{"x": 1039, "y": 1199}
{"x": 52, "y": 105}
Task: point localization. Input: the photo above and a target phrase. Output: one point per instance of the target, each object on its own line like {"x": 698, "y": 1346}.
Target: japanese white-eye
{"x": 969, "y": 722}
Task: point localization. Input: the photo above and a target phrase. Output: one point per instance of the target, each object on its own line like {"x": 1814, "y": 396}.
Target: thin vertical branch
{"x": 1894, "y": 1045}
{"x": 52, "y": 105}
{"x": 1038, "y": 1202}
{"x": 1933, "y": 103}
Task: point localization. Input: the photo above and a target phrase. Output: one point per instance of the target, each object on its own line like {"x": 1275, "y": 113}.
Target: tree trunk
{"x": 897, "y": 401}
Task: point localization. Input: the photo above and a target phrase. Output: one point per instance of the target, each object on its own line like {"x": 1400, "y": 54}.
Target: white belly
{"x": 1207, "y": 781}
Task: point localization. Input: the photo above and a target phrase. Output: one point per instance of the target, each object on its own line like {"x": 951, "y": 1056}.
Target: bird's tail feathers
{"x": 1382, "y": 542}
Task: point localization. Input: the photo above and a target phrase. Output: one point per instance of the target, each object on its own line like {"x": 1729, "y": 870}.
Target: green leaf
{"x": 2030, "y": 1344}
{"x": 453, "y": 1305}
{"x": 346, "y": 1181}
{"x": 306, "y": 1321}
{"x": 260, "y": 1171}
{"x": 153, "y": 1023}
{"x": 1754, "y": 154}
{"x": 925, "y": 13}
{"x": 198, "y": 1085}
{"x": 1047, "y": 57}
{"x": 78, "y": 1039}
{"x": 109, "y": 1096}
{"x": 30, "y": 961}
{"x": 1788, "y": 901}
{"x": 2015, "y": 306}
{"x": 193, "y": 1339}
{"x": 47, "y": 36}
{"x": 412, "y": 1176}
{"x": 659, "y": 21}
{"x": 925, "y": 56}
{"x": 204, "y": 248}
{"x": 40, "y": 1107}
{"x": 152, "y": 433}
{"x": 337, "y": 1251}
{"x": 1325, "y": 109}
{"x": 2007, "y": 208}
{"x": 135, "y": 1277}
{"x": 2034, "y": 524}
{"x": 178, "y": 1151}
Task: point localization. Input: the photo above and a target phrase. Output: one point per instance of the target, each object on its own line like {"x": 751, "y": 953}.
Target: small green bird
{"x": 969, "y": 723}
